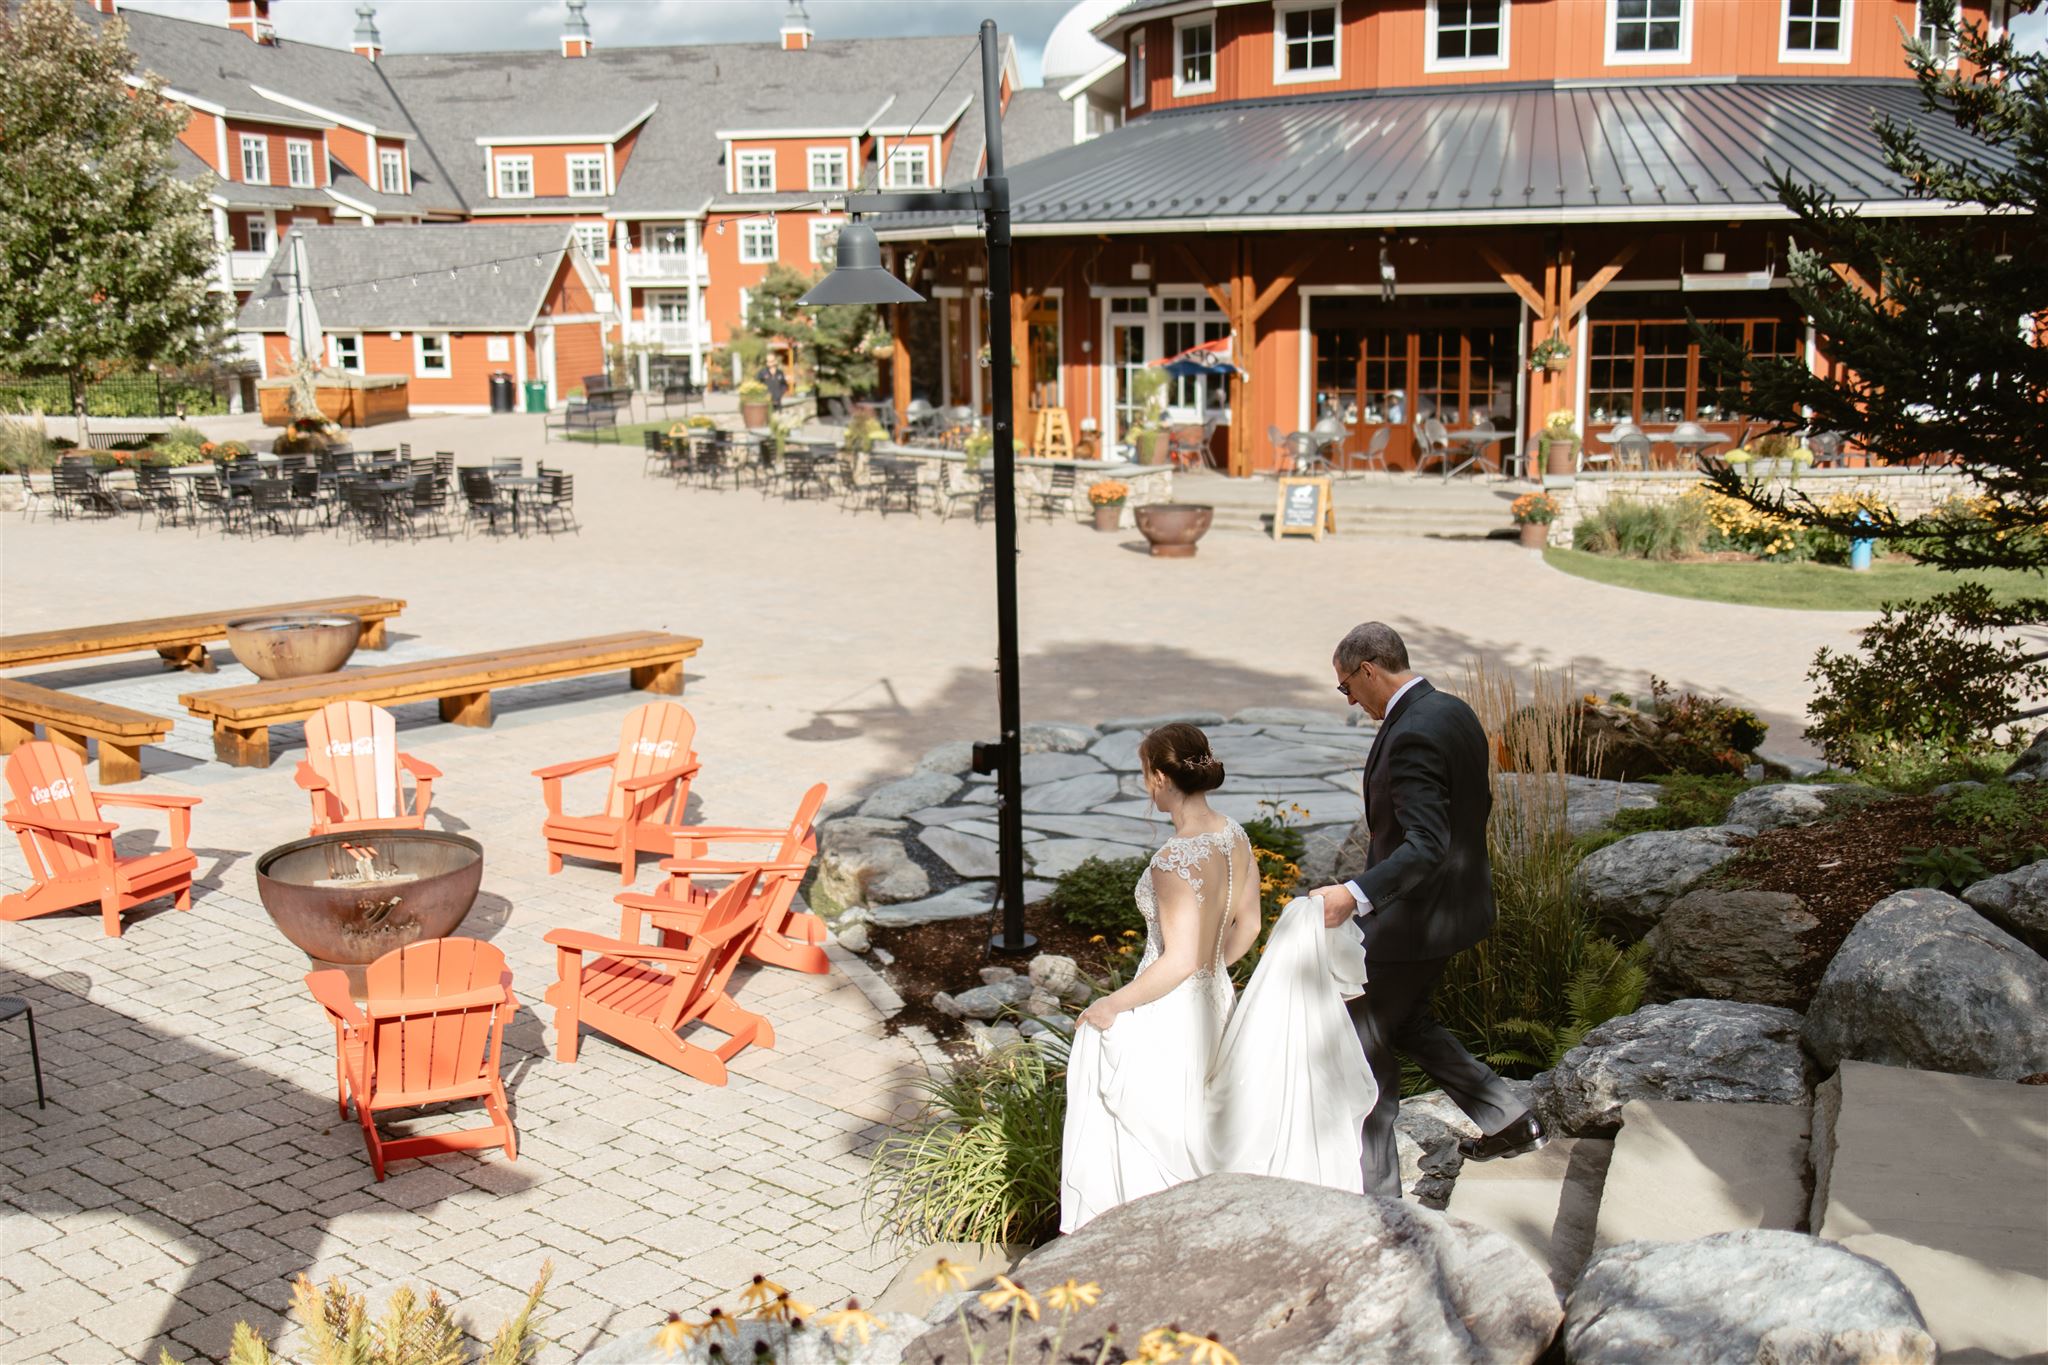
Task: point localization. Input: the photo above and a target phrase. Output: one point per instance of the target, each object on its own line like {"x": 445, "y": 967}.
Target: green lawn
{"x": 629, "y": 433}
{"x": 1804, "y": 587}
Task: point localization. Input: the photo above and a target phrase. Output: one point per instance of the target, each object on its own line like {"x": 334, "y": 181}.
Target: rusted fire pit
{"x": 345, "y": 900}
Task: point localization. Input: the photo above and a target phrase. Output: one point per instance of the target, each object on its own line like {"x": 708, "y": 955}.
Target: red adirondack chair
{"x": 428, "y": 1032}
{"x": 351, "y": 769}
{"x": 644, "y": 802}
{"x": 642, "y": 994}
{"x": 70, "y": 849}
{"x": 788, "y": 937}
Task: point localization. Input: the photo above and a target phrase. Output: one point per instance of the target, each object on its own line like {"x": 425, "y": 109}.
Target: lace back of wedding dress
{"x": 1214, "y": 867}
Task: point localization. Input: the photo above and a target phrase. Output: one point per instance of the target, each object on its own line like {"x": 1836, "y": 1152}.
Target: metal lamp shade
{"x": 859, "y": 276}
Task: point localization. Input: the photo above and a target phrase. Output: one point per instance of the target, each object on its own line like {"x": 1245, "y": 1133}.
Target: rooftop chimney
{"x": 251, "y": 19}
{"x": 366, "y": 43}
{"x": 576, "y": 32}
{"x": 796, "y": 28}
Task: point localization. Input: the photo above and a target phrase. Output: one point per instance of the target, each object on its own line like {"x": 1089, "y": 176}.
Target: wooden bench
{"x": 70, "y": 721}
{"x": 242, "y": 716}
{"x": 182, "y": 640}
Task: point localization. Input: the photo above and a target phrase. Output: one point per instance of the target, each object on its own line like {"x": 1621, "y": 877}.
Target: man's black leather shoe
{"x": 1519, "y": 1138}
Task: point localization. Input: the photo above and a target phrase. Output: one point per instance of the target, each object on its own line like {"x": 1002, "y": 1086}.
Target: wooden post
{"x": 467, "y": 708}
{"x": 1020, "y": 371}
{"x": 899, "y": 372}
{"x": 1243, "y": 345}
{"x": 241, "y": 748}
{"x": 14, "y": 733}
{"x": 119, "y": 763}
{"x": 663, "y": 678}
{"x": 192, "y": 657}
{"x": 374, "y": 635}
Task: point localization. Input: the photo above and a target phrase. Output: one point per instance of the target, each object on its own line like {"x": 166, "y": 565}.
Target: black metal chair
{"x": 1058, "y": 497}
{"x": 429, "y": 503}
{"x": 484, "y": 501}
{"x": 900, "y": 486}
{"x": 215, "y": 499}
{"x": 556, "y": 501}
{"x": 270, "y": 501}
{"x": 11, "y": 1005}
{"x": 156, "y": 491}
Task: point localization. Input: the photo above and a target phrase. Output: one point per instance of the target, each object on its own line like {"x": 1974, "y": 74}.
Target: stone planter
{"x": 1560, "y": 457}
{"x": 275, "y": 647}
{"x": 1535, "y": 534}
{"x": 754, "y": 415}
{"x": 1174, "y": 527}
{"x": 1109, "y": 516}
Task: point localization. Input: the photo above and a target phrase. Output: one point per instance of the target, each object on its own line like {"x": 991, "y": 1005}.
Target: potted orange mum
{"x": 1108, "y": 498}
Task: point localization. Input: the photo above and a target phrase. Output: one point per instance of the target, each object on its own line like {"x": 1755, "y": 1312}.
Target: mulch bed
{"x": 948, "y": 956}
{"x": 1839, "y": 867}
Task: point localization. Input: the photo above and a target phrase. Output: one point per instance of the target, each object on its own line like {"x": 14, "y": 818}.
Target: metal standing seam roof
{"x": 396, "y": 277}
{"x": 1639, "y": 151}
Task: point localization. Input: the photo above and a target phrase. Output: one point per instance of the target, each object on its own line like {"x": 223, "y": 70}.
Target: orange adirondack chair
{"x": 649, "y": 789}
{"x": 351, "y": 769}
{"x": 787, "y": 937}
{"x": 642, "y": 994}
{"x": 70, "y": 849}
{"x": 429, "y": 1031}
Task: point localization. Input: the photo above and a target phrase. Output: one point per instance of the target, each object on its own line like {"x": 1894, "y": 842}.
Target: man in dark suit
{"x": 1425, "y": 893}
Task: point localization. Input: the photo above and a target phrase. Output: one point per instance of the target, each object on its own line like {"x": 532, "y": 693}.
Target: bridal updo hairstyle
{"x": 1181, "y": 752}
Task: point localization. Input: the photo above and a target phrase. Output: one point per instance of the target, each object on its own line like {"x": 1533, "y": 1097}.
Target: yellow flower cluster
{"x": 1561, "y": 422}
{"x": 1743, "y": 525}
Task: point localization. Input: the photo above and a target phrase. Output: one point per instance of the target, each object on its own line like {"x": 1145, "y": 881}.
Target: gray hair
{"x": 1372, "y": 643}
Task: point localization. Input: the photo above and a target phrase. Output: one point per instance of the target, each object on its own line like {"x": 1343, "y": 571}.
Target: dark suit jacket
{"x": 1426, "y": 803}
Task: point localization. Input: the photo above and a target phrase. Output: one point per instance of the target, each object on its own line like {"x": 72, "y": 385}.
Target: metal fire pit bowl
{"x": 351, "y": 923}
{"x": 294, "y": 646}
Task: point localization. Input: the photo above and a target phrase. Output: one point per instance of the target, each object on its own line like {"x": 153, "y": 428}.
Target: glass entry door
{"x": 1130, "y": 328}
{"x": 1393, "y": 367}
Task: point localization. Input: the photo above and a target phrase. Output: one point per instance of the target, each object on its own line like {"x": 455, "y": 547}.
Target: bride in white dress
{"x": 1170, "y": 1077}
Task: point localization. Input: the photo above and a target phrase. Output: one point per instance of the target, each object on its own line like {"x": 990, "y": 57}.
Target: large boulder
{"x": 1686, "y": 1050}
{"x": 1779, "y": 804}
{"x": 1729, "y": 945}
{"x": 1056, "y": 737}
{"x": 1925, "y": 981}
{"x": 1756, "y": 1295}
{"x": 1618, "y": 743}
{"x": 2032, "y": 764}
{"x": 1282, "y": 1271}
{"x": 894, "y": 800}
{"x": 1591, "y": 803}
{"x": 862, "y": 862}
{"x": 1426, "y": 1134}
{"x": 1630, "y": 882}
{"x": 2017, "y": 902}
{"x": 1333, "y": 852}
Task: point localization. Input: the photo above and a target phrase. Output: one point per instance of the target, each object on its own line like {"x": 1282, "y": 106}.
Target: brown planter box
{"x": 349, "y": 400}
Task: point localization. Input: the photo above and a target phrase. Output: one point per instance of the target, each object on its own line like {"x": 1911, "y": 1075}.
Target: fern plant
{"x": 1608, "y": 984}
{"x": 412, "y": 1330}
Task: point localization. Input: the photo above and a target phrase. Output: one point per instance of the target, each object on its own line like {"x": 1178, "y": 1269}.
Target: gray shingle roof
{"x": 398, "y": 277}
{"x": 1626, "y": 151}
{"x": 1037, "y": 123}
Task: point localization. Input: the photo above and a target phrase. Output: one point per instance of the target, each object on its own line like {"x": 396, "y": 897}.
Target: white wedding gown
{"x": 1188, "y": 1085}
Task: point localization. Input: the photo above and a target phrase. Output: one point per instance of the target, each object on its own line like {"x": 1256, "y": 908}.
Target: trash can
{"x": 536, "y": 395}
{"x": 504, "y": 398}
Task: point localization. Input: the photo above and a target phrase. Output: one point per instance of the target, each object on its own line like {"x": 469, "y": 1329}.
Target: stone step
{"x": 1944, "y": 1179}
{"x": 1546, "y": 1203}
{"x": 1683, "y": 1170}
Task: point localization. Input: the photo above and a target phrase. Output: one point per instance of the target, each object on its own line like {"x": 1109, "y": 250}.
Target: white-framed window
{"x": 1307, "y": 38}
{"x": 391, "y": 171}
{"x": 1815, "y": 31}
{"x": 586, "y": 174}
{"x": 1467, "y": 35}
{"x": 672, "y": 310}
{"x": 515, "y": 177}
{"x": 259, "y": 235}
{"x": 255, "y": 159}
{"x": 430, "y": 355}
{"x": 1134, "y": 65}
{"x": 754, "y": 172}
{"x": 757, "y": 240}
{"x": 910, "y": 166}
{"x": 1923, "y": 30}
{"x": 1194, "y": 55}
{"x": 345, "y": 351}
{"x": 828, "y": 168}
{"x": 824, "y": 236}
{"x": 596, "y": 241}
{"x": 1641, "y": 31}
{"x": 298, "y": 162}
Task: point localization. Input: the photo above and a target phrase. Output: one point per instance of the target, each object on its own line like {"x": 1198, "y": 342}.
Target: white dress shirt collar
{"x": 1399, "y": 693}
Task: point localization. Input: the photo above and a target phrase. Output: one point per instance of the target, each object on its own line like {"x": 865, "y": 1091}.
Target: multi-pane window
{"x": 298, "y": 162}
{"x": 1194, "y": 64}
{"x": 757, "y": 240}
{"x": 391, "y": 171}
{"x": 1470, "y": 30}
{"x": 828, "y": 168}
{"x": 824, "y": 236}
{"x": 1647, "y": 28}
{"x": 672, "y": 310}
{"x": 1308, "y": 42}
{"x": 1652, "y": 370}
{"x": 1815, "y": 27}
{"x": 515, "y": 177}
{"x": 430, "y": 354}
{"x": 595, "y": 241}
{"x": 586, "y": 175}
{"x": 347, "y": 352}
{"x": 1929, "y": 36}
{"x": 255, "y": 159}
{"x": 1134, "y": 63}
{"x": 754, "y": 172}
{"x": 910, "y": 167}
{"x": 1188, "y": 320}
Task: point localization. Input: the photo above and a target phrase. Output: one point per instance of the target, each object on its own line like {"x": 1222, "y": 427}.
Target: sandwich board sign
{"x": 1305, "y": 508}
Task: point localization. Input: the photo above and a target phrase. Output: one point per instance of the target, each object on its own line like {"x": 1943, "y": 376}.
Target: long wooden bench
{"x": 71, "y": 721}
{"x": 242, "y": 716}
{"x": 182, "y": 640}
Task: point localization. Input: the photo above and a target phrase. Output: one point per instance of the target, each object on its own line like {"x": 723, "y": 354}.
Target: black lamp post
{"x": 859, "y": 277}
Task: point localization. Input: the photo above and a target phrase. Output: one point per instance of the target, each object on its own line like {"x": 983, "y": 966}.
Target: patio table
{"x": 1477, "y": 443}
{"x": 1693, "y": 445}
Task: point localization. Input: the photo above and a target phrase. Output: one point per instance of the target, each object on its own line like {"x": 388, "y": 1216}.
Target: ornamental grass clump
{"x": 1643, "y": 530}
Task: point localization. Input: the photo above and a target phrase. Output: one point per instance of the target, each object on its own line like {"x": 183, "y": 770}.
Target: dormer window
{"x": 754, "y": 172}
{"x": 515, "y": 177}
{"x": 255, "y": 159}
{"x": 391, "y": 171}
{"x": 1648, "y": 31}
{"x": 298, "y": 162}
{"x": 1305, "y": 41}
{"x": 1194, "y": 57}
{"x": 1815, "y": 31}
{"x": 586, "y": 175}
{"x": 1467, "y": 35}
{"x": 910, "y": 167}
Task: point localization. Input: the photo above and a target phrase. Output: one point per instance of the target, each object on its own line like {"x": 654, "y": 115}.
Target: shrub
{"x": 181, "y": 434}
{"x": 1943, "y": 674}
{"x": 1703, "y": 734}
{"x": 1686, "y": 801}
{"x": 1097, "y": 895}
{"x": 2006, "y": 822}
{"x": 981, "y": 1162}
{"x": 1921, "y": 766}
{"x": 1643, "y": 530}
{"x": 411, "y": 1331}
{"x": 24, "y": 445}
{"x": 1941, "y": 868}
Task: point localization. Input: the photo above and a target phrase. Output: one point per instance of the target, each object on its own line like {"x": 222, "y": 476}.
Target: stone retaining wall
{"x": 1913, "y": 492}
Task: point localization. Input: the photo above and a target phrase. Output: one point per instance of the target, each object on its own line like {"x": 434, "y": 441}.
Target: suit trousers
{"x": 1393, "y": 1020}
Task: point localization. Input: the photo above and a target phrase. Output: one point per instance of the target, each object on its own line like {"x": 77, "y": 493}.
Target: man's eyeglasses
{"x": 1344, "y": 687}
